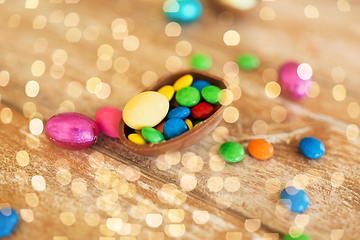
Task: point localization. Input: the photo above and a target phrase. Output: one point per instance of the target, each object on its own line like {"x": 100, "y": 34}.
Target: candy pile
{"x": 171, "y": 111}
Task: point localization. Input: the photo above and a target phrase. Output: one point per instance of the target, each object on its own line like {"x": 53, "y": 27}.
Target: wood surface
{"x": 123, "y": 185}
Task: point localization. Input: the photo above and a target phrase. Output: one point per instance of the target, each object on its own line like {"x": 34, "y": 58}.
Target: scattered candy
{"x": 188, "y": 97}
{"x": 8, "y": 221}
{"x": 183, "y": 11}
{"x": 200, "y": 84}
{"x": 72, "y": 131}
{"x": 189, "y": 123}
{"x": 260, "y": 149}
{"x": 146, "y": 109}
{"x": 312, "y": 147}
{"x": 137, "y": 139}
{"x": 108, "y": 119}
{"x": 175, "y": 127}
{"x": 291, "y": 84}
{"x": 160, "y": 127}
{"x": 184, "y": 81}
{"x": 200, "y": 61}
{"x": 232, "y": 152}
{"x": 211, "y": 94}
{"x": 202, "y": 110}
{"x": 295, "y": 199}
{"x": 248, "y": 61}
{"x": 168, "y": 91}
{"x": 299, "y": 237}
{"x": 179, "y": 112}
{"x": 152, "y": 135}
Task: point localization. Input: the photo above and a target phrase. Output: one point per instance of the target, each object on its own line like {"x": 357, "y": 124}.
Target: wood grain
{"x": 332, "y": 182}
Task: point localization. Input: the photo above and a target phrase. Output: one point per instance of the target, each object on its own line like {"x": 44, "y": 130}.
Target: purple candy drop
{"x": 72, "y": 131}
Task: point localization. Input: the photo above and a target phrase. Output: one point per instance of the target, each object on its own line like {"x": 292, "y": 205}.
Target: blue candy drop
{"x": 179, "y": 112}
{"x": 295, "y": 199}
{"x": 183, "y": 11}
{"x": 174, "y": 127}
{"x": 312, "y": 147}
{"x": 8, "y": 221}
{"x": 200, "y": 84}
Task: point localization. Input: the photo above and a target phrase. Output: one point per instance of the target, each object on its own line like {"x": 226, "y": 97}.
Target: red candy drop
{"x": 202, "y": 110}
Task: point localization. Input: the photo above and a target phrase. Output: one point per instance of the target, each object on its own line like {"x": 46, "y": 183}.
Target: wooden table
{"x": 54, "y": 57}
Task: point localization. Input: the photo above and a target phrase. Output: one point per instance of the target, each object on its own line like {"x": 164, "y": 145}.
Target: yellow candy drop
{"x": 189, "y": 123}
{"x": 168, "y": 91}
{"x": 184, "y": 81}
{"x": 137, "y": 139}
{"x": 146, "y": 109}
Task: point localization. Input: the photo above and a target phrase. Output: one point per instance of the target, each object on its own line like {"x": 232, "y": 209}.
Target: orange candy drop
{"x": 260, "y": 149}
{"x": 160, "y": 127}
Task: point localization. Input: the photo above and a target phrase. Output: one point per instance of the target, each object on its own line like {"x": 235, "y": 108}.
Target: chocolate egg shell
{"x": 72, "y": 131}
{"x": 185, "y": 140}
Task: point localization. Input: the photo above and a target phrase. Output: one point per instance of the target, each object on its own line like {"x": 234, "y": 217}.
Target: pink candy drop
{"x": 108, "y": 119}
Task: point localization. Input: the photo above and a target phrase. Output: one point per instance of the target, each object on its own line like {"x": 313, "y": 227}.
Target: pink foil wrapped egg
{"x": 108, "y": 119}
{"x": 295, "y": 79}
{"x": 72, "y": 131}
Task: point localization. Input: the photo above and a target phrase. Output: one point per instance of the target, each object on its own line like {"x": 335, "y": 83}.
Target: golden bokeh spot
{"x": 236, "y": 91}
{"x": 67, "y": 106}
{"x": 231, "y": 69}
{"x": 73, "y": 35}
{"x": 339, "y": 92}
{"x": 59, "y": 56}
{"x": 352, "y": 132}
{"x": 161, "y": 164}
{"x": 92, "y": 219}
{"x": 353, "y": 110}
{"x": 201, "y": 217}
{"x": 214, "y": 150}
{"x": 260, "y": 127}
{"x": 215, "y": 184}
{"x": 74, "y": 89}
{"x": 96, "y": 159}
{"x": 173, "y": 64}
{"x": 32, "y": 141}
{"x": 278, "y": 114}
{"x": 114, "y": 224}
{"x": 231, "y": 114}
{"x": 57, "y": 16}
{"x": 252, "y": 225}
{"x": 63, "y": 177}
{"x": 301, "y": 181}
{"x": 186, "y": 157}
{"x": 131, "y": 192}
{"x": 226, "y": 97}
{"x": 195, "y": 164}
{"x": 220, "y": 134}
{"x": 125, "y": 230}
{"x": 31, "y": 199}
{"x": 272, "y": 185}
{"x": 104, "y": 65}
{"x": 120, "y": 80}
{"x": 132, "y": 173}
{"x": 27, "y": 215}
{"x": 120, "y": 32}
{"x": 72, "y": 20}
{"x": 154, "y": 220}
{"x": 233, "y": 236}
{"x": 4, "y": 78}
{"x": 32, "y": 89}
{"x": 344, "y": 6}
{"x": 224, "y": 201}
{"x": 38, "y": 183}
{"x": 175, "y": 230}
{"x": 272, "y": 89}
{"x": 91, "y": 33}
{"x": 6, "y": 115}
{"x": 79, "y": 187}
{"x": 156, "y": 236}
{"x": 38, "y": 68}
{"x": 311, "y": 11}
{"x": 312, "y": 89}
{"x": 39, "y": 22}
{"x": 14, "y": 20}
{"x": 176, "y": 215}
{"x": 36, "y": 126}
{"x": 103, "y": 205}
{"x": 336, "y": 234}
{"x": 105, "y": 52}
{"x": 67, "y": 218}
{"x": 149, "y": 78}
{"x": 302, "y": 219}
{"x": 92, "y": 83}
{"x": 40, "y": 45}
{"x": 217, "y": 163}
{"x": 183, "y": 48}
{"x": 131, "y": 43}
{"x": 338, "y": 74}
{"x": 188, "y": 182}
{"x": 232, "y": 184}
{"x": 31, "y": 4}
{"x": 170, "y": 194}
{"x": 231, "y": 38}
{"x": 57, "y": 71}
{"x": 231, "y": 80}
{"x": 267, "y": 14}
{"x": 106, "y": 231}
{"x": 173, "y": 29}
{"x": 337, "y": 179}
{"x": 22, "y": 158}
{"x": 270, "y": 75}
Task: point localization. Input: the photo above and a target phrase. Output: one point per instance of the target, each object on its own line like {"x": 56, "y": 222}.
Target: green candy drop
{"x": 232, "y": 152}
